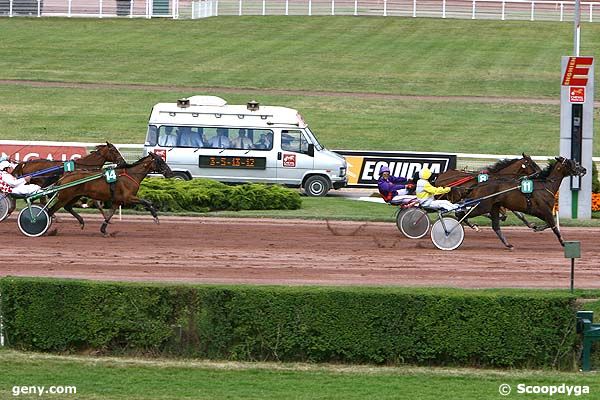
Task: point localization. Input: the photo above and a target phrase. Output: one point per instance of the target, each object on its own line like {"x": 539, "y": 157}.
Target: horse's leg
{"x": 109, "y": 215}
{"x": 461, "y": 214}
{"x": 69, "y": 208}
{"x": 150, "y": 207}
{"x": 495, "y": 213}
{"x": 147, "y": 205}
{"x": 531, "y": 225}
{"x": 99, "y": 207}
{"x": 551, "y": 222}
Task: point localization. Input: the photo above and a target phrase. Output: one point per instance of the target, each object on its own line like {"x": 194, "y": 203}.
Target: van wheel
{"x": 316, "y": 186}
{"x": 182, "y": 176}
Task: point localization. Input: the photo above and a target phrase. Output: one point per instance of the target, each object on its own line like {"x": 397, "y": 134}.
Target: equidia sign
{"x": 363, "y": 166}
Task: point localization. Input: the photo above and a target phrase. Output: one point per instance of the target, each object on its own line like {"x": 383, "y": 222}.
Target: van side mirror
{"x": 311, "y": 150}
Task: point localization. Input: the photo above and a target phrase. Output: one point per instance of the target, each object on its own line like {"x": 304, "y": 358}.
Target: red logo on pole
{"x": 577, "y": 94}
{"x": 577, "y": 71}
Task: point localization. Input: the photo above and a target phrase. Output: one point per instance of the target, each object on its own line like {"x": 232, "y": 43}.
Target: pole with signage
{"x": 576, "y": 134}
{"x": 577, "y": 126}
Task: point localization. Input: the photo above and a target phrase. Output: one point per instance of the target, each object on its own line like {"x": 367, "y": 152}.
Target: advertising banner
{"x": 26, "y": 152}
{"x": 363, "y": 166}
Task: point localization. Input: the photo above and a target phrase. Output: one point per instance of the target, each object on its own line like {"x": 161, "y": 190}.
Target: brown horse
{"x": 503, "y": 169}
{"x": 122, "y": 192}
{"x": 96, "y": 159}
{"x": 489, "y": 197}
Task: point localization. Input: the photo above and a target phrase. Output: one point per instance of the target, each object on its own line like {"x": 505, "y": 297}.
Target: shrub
{"x": 504, "y": 328}
{"x": 202, "y": 195}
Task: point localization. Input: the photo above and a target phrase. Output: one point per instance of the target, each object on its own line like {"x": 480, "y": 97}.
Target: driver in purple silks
{"x": 391, "y": 187}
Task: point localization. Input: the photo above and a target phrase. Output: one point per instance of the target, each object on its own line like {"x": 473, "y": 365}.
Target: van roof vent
{"x": 207, "y": 101}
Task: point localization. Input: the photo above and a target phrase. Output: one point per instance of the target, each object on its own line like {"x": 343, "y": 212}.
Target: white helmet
{"x": 6, "y": 164}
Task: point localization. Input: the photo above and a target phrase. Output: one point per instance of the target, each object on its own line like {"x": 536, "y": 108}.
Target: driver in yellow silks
{"x": 426, "y": 192}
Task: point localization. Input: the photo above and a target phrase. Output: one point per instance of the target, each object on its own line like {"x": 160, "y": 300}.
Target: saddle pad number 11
{"x": 526, "y": 186}
{"x": 110, "y": 175}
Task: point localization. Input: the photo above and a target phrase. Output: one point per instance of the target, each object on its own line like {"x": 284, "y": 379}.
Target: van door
{"x": 293, "y": 160}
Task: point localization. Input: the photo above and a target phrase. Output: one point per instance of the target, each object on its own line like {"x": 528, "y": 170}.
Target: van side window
{"x": 262, "y": 138}
{"x": 293, "y": 141}
{"x": 167, "y": 136}
{"x": 190, "y": 137}
{"x": 151, "y": 136}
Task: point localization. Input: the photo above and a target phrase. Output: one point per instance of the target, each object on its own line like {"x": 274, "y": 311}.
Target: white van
{"x": 204, "y": 137}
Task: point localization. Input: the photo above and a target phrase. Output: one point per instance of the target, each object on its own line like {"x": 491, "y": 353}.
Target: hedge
{"x": 202, "y": 195}
{"x": 484, "y": 328}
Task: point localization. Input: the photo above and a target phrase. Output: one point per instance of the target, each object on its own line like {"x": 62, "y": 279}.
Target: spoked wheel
{"x": 413, "y": 222}
{"x": 5, "y": 207}
{"x": 447, "y": 233}
{"x": 34, "y": 221}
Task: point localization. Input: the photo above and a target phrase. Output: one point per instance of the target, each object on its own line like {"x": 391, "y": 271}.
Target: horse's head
{"x": 110, "y": 153}
{"x": 528, "y": 166}
{"x": 569, "y": 167}
{"x": 160, "y": 166}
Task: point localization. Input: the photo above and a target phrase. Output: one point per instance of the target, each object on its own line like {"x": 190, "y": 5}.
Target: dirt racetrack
{"x": 261, "y": 251}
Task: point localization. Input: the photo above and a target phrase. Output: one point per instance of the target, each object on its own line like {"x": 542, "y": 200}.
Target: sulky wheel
{"x": 34, "y": 221}
{"x": 447, "y": 233}
{"x": 413, "y": 222}
{"x": 5, "y": 206}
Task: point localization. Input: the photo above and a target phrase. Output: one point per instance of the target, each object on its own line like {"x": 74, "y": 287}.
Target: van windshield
{"x": 314, "y": 140}
{"x": 151, "y": 136}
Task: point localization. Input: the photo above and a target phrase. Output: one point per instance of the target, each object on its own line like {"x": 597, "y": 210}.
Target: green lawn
{"x": 377, "y": 55}
{"x": 96, "y": 115}
{"x": 155, "y": 379}
{"x": 251, "y": 55}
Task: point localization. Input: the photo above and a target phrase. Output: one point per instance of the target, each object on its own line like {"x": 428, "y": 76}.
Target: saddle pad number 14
{"x": 110, "y": 175}
{"x": 526, "y": 186}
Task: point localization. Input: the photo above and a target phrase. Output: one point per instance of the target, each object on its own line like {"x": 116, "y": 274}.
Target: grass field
{"x": 255, "y": 55}
{"x": 144, "y": 379}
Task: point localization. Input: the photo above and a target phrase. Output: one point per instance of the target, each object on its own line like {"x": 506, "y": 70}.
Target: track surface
{"x": 211, "y": 250}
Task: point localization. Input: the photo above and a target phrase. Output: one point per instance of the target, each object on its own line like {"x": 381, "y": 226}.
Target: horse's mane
{"x": 138, "y": 162}
{"x": 546, "y": 171}
{"x": 501, "y": 164}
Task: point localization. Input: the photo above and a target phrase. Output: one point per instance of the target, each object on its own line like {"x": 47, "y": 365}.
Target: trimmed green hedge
{"x": 202, "y": 195}
{"x": 507, "y": 328}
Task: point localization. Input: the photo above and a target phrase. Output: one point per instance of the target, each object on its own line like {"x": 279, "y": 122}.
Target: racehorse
{"x": 506, "y": 167}
{"x": 490, "y": 196}
{"x": 122, "y": 192}
{"x": 103, "y": 153}
{"x": 502, "y": 169}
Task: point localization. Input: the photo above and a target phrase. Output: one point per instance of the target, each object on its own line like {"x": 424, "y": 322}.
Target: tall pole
{"x": 577, "y": 33}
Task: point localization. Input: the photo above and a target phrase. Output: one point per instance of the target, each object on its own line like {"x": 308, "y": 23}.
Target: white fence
{"x": 463, "y": 9}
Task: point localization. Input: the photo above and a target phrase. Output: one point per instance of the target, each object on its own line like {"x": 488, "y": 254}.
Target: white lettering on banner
{"x": 397, "y": 168}
{"x": 32, "y": 152}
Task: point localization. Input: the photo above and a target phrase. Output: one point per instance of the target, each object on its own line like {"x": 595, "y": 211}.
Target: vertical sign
{"x": 576, "y": 134}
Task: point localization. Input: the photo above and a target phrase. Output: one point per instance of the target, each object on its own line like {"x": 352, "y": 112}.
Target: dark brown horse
{"x": 489, "y": 197}
{"x": 122, "y": 192}
{"x": 96, "y": 159}
{"x": 503, "y": 169}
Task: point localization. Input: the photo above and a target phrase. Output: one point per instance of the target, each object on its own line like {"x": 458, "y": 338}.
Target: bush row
{"x": 349, "y": 325}
{"x": 202, "y": 195}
